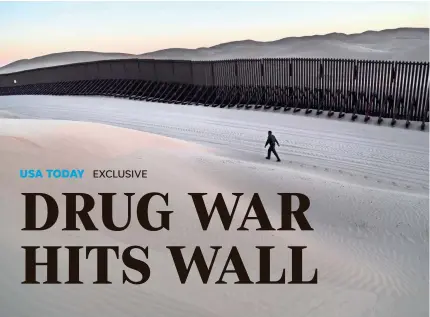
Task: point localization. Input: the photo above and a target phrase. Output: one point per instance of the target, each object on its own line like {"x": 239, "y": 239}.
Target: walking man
{"x": 271, "y": 141}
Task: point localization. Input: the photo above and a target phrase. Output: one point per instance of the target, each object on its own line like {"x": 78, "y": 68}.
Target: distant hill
{"x": 406, "y": 44}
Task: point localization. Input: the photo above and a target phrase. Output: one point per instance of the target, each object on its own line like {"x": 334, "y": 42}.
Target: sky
{"x": 31, "y": 29}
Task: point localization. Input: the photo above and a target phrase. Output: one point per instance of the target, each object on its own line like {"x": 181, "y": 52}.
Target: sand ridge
{"x": 404, "y": 44}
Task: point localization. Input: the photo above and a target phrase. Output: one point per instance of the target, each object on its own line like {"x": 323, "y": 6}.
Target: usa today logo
{"x": 52, "y": 173}
{"x": 79, "y": 173}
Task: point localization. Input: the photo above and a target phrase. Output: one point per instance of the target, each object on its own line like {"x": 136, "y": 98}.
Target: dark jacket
{"x": 271, "y": 140}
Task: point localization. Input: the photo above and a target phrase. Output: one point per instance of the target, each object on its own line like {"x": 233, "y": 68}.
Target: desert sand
{"x": 403, "y": 44}
{"x": 368, "y": 188}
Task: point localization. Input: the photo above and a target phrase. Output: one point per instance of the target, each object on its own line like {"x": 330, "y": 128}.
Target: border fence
{"x": 389, "y": 90}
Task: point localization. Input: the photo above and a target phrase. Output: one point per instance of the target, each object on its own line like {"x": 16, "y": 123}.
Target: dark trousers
{"x": 272, "y": 150}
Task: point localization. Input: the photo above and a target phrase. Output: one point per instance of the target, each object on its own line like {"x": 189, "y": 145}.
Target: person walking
{"x": 272, "y": 141}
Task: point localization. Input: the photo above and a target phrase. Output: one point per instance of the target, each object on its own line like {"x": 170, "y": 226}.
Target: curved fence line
{"x": 384, "y": 89}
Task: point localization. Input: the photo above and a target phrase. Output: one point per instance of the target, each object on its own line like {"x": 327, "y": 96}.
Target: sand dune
{"x": 405, "y": 44}
{"x": 369, "y": 206}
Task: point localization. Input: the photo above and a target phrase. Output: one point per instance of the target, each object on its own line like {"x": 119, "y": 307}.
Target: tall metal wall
{"x": 405, "y": 83}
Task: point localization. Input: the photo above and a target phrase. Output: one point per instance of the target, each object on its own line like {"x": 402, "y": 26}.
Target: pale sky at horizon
{"x": 31, "y": 29}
